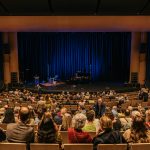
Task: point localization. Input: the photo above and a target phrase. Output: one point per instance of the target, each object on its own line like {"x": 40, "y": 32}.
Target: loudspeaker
{"x": 14, "y": 78}
{"x": 6, "y": 48}
{"x": 134, "y": 77}
{"x": 143, "y": 48}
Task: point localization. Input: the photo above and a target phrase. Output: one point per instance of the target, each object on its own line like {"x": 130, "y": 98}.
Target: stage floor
{"x": 90, "y": 87}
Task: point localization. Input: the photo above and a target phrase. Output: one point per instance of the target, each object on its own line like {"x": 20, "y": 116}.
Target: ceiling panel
{"x": 146, "y": 10}
{"x": 19, "y": 7}
{"x": 74, "y": 6}
{"x": 121, "y": 7}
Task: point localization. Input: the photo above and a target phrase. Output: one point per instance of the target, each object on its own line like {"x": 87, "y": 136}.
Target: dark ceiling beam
{"x": 75, "y": 24}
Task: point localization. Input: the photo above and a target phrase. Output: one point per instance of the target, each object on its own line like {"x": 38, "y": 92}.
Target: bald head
{"x": 24, "y": 114}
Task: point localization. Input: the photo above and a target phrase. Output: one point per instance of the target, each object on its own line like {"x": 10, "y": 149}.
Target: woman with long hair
{"x": 9, "y": 116}
{"x": 47, "y": 130}
{"x": 138, "y": 132}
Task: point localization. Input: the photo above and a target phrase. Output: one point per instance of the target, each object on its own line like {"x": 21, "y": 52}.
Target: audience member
{"x": 75, "y": 134}
{"x": 9, "y": 116}
{"x": 107, "y": 135}
{"x": 47, "y": 130}
{"x": 21, "y": 132}
{"x": 126, "y": 121}
{"x": 138, "y": 132}
{"x": 92, "y": 124}
{"x": 99, "y": 108}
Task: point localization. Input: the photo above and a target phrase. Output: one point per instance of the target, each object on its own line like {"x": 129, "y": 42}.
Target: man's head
{"x": 99, "y": 101}
{"x": 24, "y": 114}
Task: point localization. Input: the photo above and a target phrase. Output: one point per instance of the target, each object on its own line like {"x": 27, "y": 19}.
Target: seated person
{"x": 92, "y": 124}
{"x": 75, "y": 134}
{"x": 106, "y": 134}
{"x": 126, "y": 121}
{"x": 21, "y": 132}
{"x": 138, "y": 132}
{"x": 47, "y": 130}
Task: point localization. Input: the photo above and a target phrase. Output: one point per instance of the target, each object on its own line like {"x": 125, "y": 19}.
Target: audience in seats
{"x": 138, "y": 132}
{"x": 75, "y": 134}
{"x": 105, "y": 119}
{"x": 106, "y": 134}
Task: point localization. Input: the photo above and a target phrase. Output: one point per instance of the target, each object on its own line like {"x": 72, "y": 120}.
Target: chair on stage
{"x": 53, "y": 80}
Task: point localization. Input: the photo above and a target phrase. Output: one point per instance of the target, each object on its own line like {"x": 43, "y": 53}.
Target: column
{"x": 6, "y": 57}
{"x": 134, "y": 59}
{"x": 14, "y": 67}
{"x": 142, "y": 59}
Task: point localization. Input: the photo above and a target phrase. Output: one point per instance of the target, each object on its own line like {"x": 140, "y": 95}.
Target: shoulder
{"x": 10, "y": 126}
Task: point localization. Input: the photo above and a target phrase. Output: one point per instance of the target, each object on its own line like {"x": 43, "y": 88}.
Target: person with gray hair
{"x": 75, "y": 134}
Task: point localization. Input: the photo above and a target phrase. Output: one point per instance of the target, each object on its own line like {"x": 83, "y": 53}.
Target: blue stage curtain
{"x": 106, "y": 56}
{"x": 1, "y": 58}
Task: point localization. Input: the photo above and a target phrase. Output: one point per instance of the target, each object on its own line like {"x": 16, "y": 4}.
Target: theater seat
{"x": 140, "y": 146}
{"x": 78, "y": 146}
{"x": 12, "y": 146}
{"x": 64, "y": 135}
{"x": 112, "y": 147}
{"x": 41, "y": 146}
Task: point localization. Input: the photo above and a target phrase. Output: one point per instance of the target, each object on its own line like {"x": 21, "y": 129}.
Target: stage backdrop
{"x": 105, "y": 56}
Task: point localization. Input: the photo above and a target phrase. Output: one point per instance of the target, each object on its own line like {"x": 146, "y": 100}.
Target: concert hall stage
{"x": 47, "y": 84}
{"x": 90, "y": 87}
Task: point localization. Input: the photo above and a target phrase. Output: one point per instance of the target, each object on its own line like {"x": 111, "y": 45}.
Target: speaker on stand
{"x": 134, "y": 79}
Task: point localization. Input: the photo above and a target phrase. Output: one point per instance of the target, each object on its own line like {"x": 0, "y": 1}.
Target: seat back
{"x": 64, "y": 135}
{"x": 92, "y": 134}
{"x": 112, "y": 147}
{"x": 78, "y": 146}
{"x": 12, "y": 146}
{"x": 140, "y": 146}
{"x": 40, "y": 146}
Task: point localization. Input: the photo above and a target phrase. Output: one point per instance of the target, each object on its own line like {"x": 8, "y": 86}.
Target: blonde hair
{"x": 105, "y": 122}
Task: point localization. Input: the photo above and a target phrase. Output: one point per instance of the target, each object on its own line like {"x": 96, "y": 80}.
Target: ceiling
{"x": 74, "y": 7}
